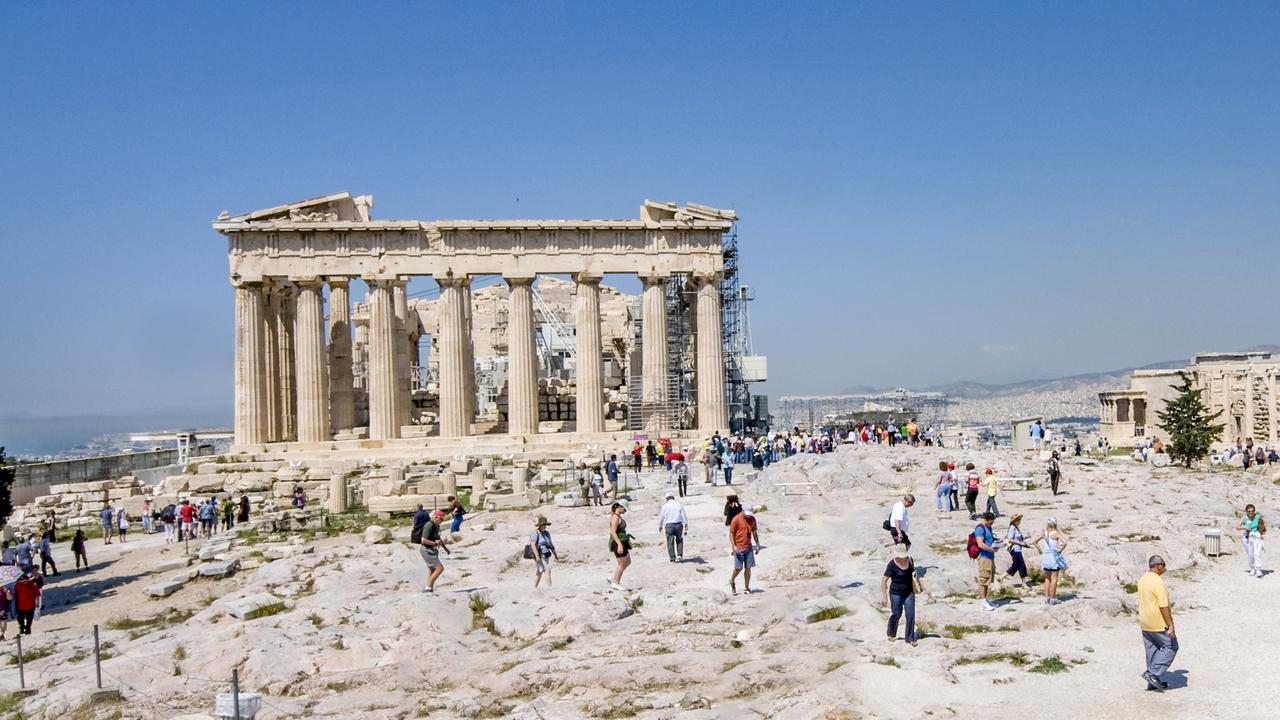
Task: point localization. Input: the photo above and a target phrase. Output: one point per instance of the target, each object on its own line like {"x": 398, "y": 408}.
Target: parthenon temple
{"x": 312, "y": 374}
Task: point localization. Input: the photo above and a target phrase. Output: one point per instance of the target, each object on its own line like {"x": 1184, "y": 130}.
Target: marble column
{"x": 469, "y": 376}
{"x": 1272, "y": 407}
{"x": 404, "y": 388}
{"x": 380, "y": 371}
{"x": 284, "y": 354}
{"x": 311, "y": 360}
{"x": 360, "y": 382}
{"x": 590, "y": 373}
{"x": 271, "y": 363}
{"x": 712, "y": 416}
{"x": 452, "y": 346}
{"x": 654, "y": 352}
{"x": 1247, "y": 379}
{"x": 522, "y": 365}
{"x": 250, "y": 380}
{"x": 341, "y": 389}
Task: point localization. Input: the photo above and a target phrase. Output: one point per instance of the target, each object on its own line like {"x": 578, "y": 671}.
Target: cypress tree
{"x": 1190, "y": 426}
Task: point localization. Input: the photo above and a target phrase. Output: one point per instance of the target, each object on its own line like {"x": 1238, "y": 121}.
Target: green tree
{"x": 1190, "y": 426}
{"x": 6, "y": 484}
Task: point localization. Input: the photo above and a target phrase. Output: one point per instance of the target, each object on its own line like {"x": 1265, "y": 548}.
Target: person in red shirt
{"x": 188, "y": 515}
{"x": 744, "y": 556}
{"x": 26, "y": 595}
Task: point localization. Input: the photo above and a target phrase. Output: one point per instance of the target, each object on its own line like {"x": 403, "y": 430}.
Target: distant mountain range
{"x": 1116, "y": 378}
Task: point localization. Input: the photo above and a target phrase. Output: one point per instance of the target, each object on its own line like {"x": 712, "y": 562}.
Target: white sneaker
{"x": 616, "y": 586}
{"x": 986, "y": 605}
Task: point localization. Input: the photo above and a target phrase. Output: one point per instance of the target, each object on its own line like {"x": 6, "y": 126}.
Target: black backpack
{"x": 166, "y": 514}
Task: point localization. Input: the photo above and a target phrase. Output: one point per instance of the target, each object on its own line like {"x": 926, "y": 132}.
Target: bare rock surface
{"x": 349, "y": 631}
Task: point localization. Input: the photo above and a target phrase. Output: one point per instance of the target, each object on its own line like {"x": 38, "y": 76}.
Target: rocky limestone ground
{"x": 346, "y": 630}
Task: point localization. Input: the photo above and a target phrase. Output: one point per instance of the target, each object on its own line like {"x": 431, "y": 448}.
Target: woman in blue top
{"x": 1254, "y": 528}
{"x": 1052, "y": 561}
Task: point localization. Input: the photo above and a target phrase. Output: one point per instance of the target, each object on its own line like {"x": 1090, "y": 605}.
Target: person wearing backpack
{"x": 542, "y": 550}
{"x": 898, "y": 522}
{"x": 971, "y": 490}
{"x": 429, "y": 545}
{"x": 983, "y": 540}
{"x": 1254, "y": 527}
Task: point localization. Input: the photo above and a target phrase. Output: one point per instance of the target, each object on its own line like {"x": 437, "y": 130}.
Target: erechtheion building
{"x": 1242, "y": 385}
{"x": 311, "y": 374}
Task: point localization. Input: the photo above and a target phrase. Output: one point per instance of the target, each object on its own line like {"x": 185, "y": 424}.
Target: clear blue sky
{"x": 928, "y": 192}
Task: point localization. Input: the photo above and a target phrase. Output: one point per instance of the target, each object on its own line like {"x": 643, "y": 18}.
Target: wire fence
{"x": 83, "y": 671}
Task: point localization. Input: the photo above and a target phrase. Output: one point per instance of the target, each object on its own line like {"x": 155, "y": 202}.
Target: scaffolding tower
{"x": 679, "y": 411}
{"x": 735, "y": 336}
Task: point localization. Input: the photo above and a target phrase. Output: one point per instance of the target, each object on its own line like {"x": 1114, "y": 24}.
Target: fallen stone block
{"x": 251, "y": 607}
{"x": 219, "y": 569}
{"x": 165, "y": 588}
{"x": 171, "y": 565}
{"x": 376, "y": 535}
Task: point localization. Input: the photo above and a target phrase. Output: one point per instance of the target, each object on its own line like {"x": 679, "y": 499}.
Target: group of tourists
{"x": 1245, "y": 454}
{"x": 950, "y": 482}
{"x": 22, "y": 599}
{"x": 900, "y": 581}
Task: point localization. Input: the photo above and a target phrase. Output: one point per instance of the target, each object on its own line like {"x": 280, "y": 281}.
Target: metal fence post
{"x": 22, "y": 677}
{"x": 235, "y": 693}
{"x": 97, "y": 656}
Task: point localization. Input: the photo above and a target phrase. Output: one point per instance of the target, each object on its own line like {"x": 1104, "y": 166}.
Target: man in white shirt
{"x": 674, "y": 523}
{"x": 899, "y": 522}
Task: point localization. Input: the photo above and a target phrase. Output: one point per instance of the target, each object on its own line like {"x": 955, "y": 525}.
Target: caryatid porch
{"x": 293, "y": 374}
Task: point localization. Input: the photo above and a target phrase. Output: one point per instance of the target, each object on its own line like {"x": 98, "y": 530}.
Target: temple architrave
{"x": 1242, "y": 385}
{"x": 294, "y": 380}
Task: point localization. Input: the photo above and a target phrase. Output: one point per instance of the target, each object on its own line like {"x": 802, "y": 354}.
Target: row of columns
{"x": 293, "y": 382}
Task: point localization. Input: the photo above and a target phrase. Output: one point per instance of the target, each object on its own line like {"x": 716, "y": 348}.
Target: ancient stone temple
{"x": 295, "y": 361}
{"x": 1242, "y": 385}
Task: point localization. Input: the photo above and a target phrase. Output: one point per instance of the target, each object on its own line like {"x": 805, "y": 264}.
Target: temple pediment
{"x": 339, "y": 207}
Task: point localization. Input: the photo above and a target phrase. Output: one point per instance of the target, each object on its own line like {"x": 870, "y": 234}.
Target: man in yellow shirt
{"x": 1158, "y": 637}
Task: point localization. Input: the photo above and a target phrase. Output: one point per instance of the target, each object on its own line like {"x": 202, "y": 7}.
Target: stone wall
{"x": 35, "y": 479}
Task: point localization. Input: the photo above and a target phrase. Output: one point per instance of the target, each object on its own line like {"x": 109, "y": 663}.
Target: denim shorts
{"x": 743, "y": 559}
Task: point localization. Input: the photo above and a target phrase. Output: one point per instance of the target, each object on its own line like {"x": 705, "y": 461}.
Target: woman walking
{"x": 122, "y": 520}
{"x": 899, "y": 589}
{"x": 942, "y": 489}
{"x": 971, "y": 491}
{"x": 619, "y": 544}
{"x": 1016, "y": 544}
{"x": 77, "y": 549}
{"x": 544, "y": 550}
{"x": 1254, "y": 528}
{"x": 1052, "y": 562}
